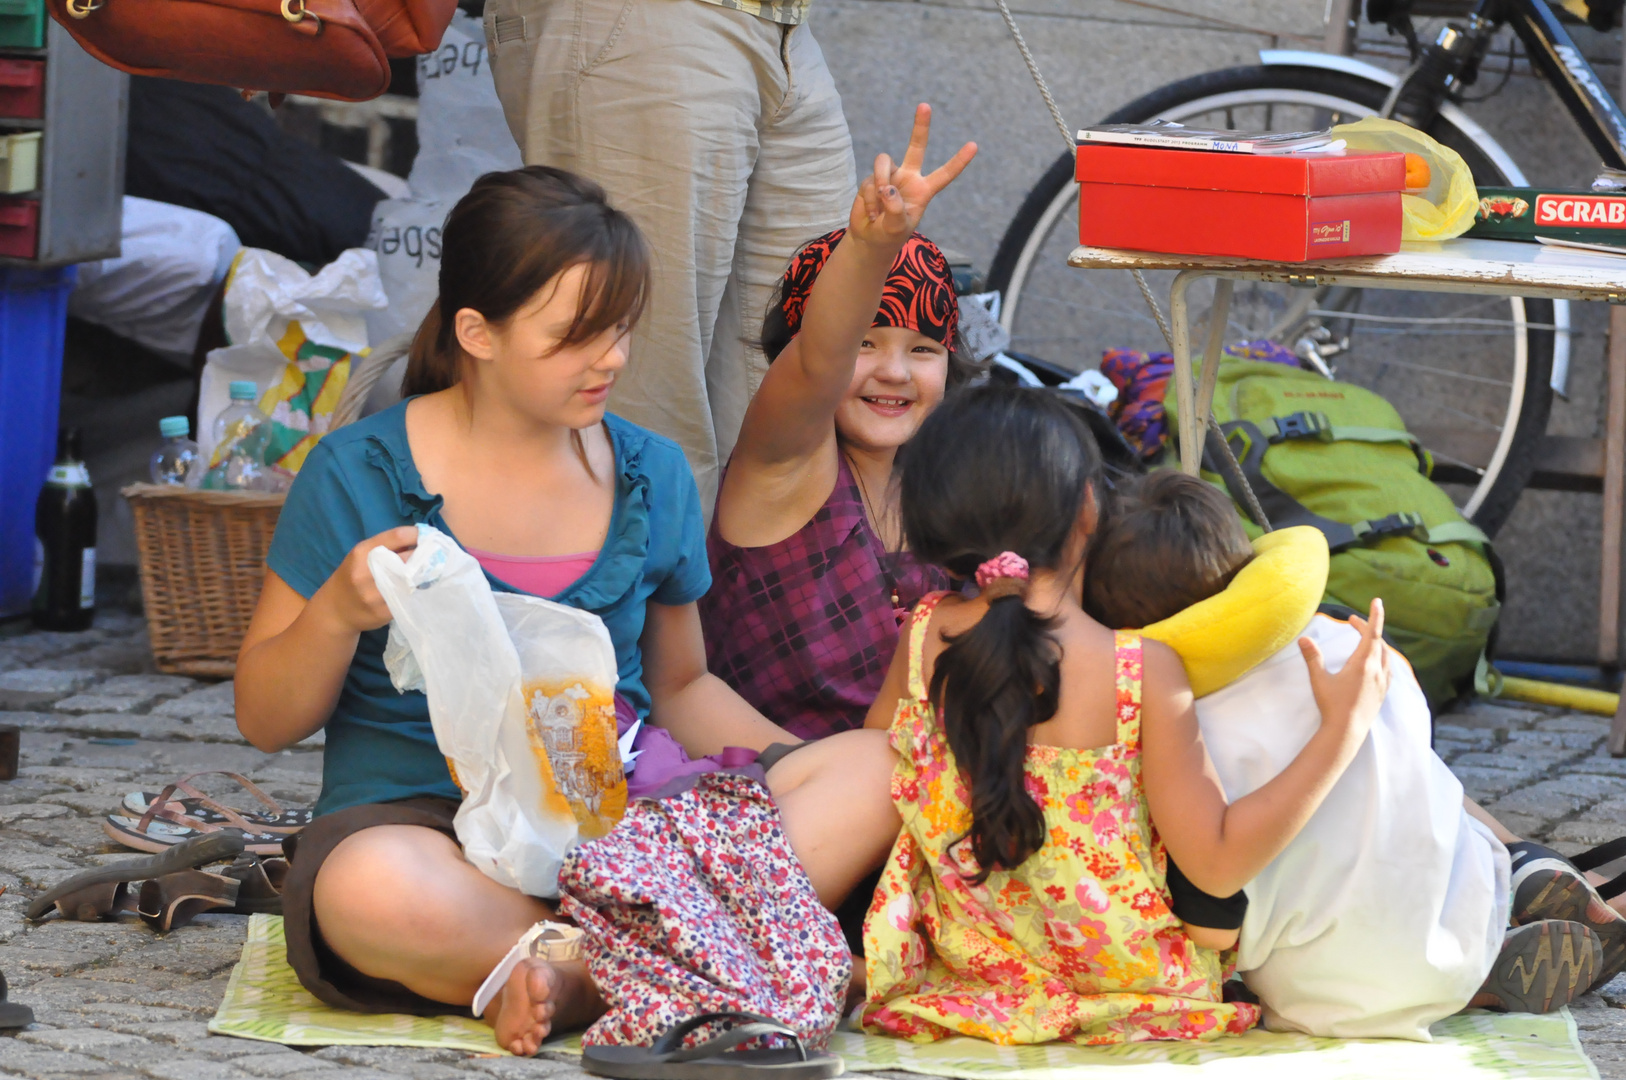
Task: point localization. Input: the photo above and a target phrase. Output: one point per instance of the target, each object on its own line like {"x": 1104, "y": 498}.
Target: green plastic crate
{"x": 22, "y": 24}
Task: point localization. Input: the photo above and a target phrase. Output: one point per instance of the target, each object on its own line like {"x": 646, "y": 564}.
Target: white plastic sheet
{"x": 522, "y": 700}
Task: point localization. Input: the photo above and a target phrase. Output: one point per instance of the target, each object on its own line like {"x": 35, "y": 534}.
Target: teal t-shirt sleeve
{"x": 690, "y": 575}
{"x": 319, "y": 524}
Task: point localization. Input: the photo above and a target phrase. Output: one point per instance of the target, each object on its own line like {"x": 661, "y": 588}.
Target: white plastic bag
{"x": 266, "y": 295}
{"x": 522, "y": 700}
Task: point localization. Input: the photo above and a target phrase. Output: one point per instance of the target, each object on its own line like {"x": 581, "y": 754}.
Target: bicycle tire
{"x": 1016, "y": 247}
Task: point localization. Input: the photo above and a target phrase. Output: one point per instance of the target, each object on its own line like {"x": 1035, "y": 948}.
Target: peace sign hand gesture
{"x": 892, "y": 199}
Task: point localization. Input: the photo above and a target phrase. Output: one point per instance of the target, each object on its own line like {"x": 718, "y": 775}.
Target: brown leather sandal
{"x": 176, "y": 899}
{"x": 260, "y": 884}
{"x": 102, "y": 892}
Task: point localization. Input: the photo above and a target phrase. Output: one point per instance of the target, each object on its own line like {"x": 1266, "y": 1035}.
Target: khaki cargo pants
{"x": 722, "y": 134}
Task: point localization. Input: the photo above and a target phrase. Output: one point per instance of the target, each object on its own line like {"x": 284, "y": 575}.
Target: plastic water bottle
{"x": 240, "y": 417}
{"x": 174, "y": 460}
{"x": 235, "y": 466}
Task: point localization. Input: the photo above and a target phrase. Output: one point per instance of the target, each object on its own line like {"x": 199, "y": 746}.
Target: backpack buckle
{"x": 1391, "y": 525}
{"x": 1300, "y": 425}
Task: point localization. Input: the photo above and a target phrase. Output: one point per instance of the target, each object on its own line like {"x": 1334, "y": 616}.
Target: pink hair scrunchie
{"x": 1006, "y": 574}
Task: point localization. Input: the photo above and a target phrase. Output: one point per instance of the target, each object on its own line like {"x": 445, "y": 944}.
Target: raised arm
{"x": 293, "y": 660}
{"x": 1221, "y": 848}
{"x": 792, "y": 416}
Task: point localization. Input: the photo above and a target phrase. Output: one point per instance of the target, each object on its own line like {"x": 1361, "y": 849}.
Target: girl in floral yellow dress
{"x": 1051, "y": 772}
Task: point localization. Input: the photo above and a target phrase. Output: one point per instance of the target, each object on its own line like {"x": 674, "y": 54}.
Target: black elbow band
{"x": 1192, "y": 905}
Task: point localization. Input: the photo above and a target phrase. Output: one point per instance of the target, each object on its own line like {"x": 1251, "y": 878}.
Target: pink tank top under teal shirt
{"x": 539, "y": 575}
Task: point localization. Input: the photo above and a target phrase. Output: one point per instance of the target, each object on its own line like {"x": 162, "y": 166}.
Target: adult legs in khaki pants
{"x": 721, "y": 133}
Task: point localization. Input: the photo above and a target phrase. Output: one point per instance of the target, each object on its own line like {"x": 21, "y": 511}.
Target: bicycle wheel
{"x": 1469, "y": 374}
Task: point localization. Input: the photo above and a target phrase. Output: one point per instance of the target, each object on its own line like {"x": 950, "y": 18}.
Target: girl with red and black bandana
{"x": 809, "y": 576}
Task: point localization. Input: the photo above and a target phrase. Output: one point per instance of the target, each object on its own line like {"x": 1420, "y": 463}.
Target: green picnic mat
{"x": 265, "y": 1001}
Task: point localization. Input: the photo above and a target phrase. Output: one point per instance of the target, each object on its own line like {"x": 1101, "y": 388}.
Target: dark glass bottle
{"x": 65, "y": 541}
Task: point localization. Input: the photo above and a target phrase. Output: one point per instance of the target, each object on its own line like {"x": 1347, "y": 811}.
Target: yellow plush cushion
{"x": 1267, "y": 605}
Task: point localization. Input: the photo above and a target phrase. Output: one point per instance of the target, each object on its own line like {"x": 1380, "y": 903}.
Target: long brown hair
{"x": 505, "y": 240}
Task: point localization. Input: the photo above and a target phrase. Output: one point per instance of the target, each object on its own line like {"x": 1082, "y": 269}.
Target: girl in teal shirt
{"x": 503, "y": 443}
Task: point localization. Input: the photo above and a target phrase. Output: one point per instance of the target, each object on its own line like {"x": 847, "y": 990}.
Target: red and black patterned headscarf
{"x": 919, "y": 292}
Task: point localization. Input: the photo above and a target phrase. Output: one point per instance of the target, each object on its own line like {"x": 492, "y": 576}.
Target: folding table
{"x": 1488, "y": 267}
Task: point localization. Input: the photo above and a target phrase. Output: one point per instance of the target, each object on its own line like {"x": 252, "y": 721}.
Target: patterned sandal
{"x": 716, "y": 1059}
{"x": 191, "y": 802}
{"x": 160, "y": 828}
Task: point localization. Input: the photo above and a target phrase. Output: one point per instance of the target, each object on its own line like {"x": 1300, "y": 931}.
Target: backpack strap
{"x": 1316, "y": 425}
{"x": 1283, "y": 510}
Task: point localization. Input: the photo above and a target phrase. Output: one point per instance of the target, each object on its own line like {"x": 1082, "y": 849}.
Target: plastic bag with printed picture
{"x": 522, "y": 701}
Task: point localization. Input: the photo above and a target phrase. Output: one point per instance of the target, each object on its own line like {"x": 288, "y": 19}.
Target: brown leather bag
{"x": 321, "y": 48}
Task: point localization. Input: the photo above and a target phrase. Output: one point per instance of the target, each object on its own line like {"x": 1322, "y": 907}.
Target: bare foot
{"x": 539, "y": 995}
{"x": 523, "y": 1012}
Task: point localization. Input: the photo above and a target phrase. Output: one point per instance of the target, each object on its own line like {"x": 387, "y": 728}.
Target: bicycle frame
{"x": 1553, "y": 53}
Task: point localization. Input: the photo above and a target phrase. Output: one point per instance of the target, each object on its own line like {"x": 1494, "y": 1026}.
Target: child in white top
{"x": 1389, "y": 910}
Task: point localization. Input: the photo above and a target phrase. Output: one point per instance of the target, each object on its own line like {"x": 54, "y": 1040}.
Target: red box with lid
{"x": 1285, "y": 208}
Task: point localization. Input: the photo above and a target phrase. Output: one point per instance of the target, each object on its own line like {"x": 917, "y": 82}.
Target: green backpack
{"x": 1338, "y": 457}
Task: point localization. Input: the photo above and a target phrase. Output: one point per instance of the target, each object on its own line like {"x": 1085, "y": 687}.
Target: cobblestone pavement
{"x": 116, "y": 1000}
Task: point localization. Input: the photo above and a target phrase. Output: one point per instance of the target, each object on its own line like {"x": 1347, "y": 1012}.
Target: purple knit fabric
{"x": 804, "y": 629}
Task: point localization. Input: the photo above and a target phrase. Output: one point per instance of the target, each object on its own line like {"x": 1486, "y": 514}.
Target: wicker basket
{"x": 203, "y": 553}
{"x": 202, "y": 565}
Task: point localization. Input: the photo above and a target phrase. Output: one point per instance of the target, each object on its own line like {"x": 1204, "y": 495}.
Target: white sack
{"x": 266, "y": 294}
{"x": 1386, "y": 912}
{"x": 462, "y": 135}
{"x": 522, "y": 700}
{"x": 171, "y": 260}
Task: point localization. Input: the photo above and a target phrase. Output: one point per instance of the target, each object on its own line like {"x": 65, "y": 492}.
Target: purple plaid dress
{"x": 804, "y": 629}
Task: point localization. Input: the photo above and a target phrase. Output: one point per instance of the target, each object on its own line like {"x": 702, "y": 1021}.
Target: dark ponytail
{"x": 995, "y": 469}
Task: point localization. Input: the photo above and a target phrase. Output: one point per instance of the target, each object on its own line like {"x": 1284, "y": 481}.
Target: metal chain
{"x": 1033, "y": 69}
{"x": 1151, "y": 302}
{"x": 1228, "y": 462}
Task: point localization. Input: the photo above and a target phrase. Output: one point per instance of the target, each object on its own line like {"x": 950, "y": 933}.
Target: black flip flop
{"x": 716, "y": 1059}
{"x": 12, "y": 1015}
{"x": 187, "y": 855}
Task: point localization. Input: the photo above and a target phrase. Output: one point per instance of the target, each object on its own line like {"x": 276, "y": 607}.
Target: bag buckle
{"x": 1300, "y": 425}
{"x": 1391, "y": 525}
{"x": 80, "y": 9}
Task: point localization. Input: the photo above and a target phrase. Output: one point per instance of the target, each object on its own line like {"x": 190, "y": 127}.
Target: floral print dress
{"x": 1077, "y": 943}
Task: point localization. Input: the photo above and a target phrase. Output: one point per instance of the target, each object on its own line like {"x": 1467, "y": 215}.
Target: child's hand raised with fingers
{"x": 1351, "y": 698}
{"x": 892, "y": 199}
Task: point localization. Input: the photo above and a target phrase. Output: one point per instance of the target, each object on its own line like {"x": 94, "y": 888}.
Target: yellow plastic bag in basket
{"x": 1447, "y": 207}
